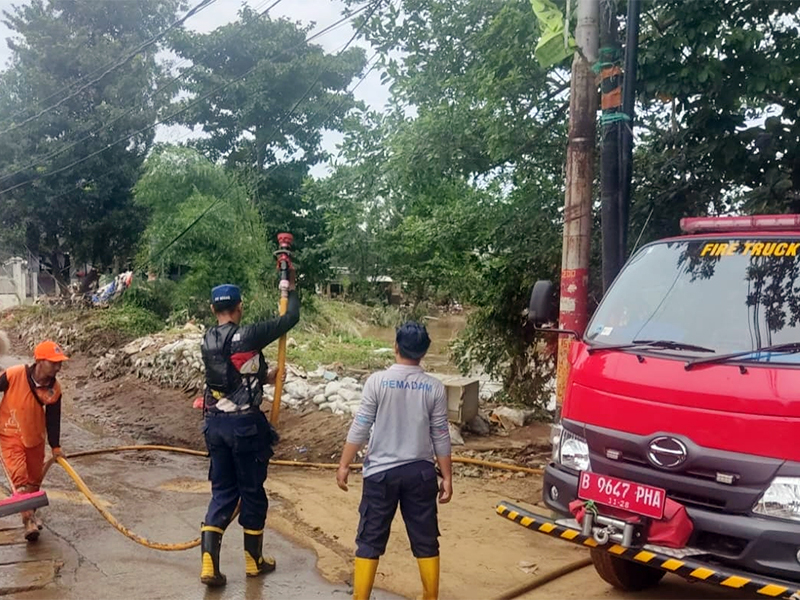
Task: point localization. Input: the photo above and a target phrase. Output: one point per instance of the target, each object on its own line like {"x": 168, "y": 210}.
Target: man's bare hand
{"x": 272, "y": 376}
{"x": 58, "y": 452}
{"x": 445, "y": 491}
{"x": 341, "y": 477}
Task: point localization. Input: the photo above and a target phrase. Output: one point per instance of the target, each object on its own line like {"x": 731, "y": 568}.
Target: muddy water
{"x": 443, "y": 329}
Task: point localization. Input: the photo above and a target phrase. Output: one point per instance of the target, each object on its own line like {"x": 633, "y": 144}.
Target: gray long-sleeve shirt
{"x": 408, "y": 409}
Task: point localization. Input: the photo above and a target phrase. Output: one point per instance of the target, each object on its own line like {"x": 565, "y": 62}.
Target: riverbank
{"x": 331, "y": 333}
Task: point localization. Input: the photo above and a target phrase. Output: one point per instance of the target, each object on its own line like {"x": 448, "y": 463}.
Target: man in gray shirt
{"x": 407, "y": 412}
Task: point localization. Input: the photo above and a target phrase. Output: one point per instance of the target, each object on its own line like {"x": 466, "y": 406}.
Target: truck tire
{"x": 623, "y": 574}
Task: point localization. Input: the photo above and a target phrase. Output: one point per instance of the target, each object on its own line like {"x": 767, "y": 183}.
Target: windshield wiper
{"x": 790, "y": 348}
{"x": 659, "y": 344}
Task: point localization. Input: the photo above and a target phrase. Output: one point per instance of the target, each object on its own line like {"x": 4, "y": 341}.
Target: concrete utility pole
{"x": 580, "y": 176}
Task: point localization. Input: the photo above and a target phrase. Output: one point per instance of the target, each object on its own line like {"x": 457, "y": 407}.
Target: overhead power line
{"x": 216, "y": 202}
{"x": 89, "y": 134}
{"x": 125, "y": 59}
{"x": 182, "y": 110}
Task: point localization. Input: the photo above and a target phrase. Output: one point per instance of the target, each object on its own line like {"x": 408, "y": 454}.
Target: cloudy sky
{"x": 320, "y": 12}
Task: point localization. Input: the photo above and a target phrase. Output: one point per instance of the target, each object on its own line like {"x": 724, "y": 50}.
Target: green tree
{"x": 472, "y": 158}
{"x": 78, "y": 200}
{"x": 269, "y": 95}
{"x": 719, "y": 106}
{"x": 228, "y": 245}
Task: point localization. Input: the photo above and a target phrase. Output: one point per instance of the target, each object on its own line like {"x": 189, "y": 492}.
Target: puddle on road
{"x": 27, "y": 576}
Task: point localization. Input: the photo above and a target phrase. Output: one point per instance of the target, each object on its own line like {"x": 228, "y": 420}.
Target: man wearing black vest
{"x": 238, "y": 436}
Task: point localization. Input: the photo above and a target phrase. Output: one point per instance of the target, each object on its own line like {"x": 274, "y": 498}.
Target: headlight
{"x": 781, "y": 500}
{"x": 573, "y": 452}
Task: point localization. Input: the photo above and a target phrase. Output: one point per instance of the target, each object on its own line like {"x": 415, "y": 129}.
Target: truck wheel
{"x": 623, "y": 574}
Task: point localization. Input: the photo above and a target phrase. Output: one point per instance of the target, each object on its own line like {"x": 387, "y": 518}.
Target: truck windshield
{"x": 729, "y": 295}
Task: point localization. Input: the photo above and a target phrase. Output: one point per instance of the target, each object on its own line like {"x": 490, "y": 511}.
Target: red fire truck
{"x": 678, "y": 444}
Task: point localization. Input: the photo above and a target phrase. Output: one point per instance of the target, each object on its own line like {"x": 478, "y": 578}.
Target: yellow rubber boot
{"x": 429, "y": 573}
{"x": 254, "y": 561}
{"x": 210, "y": 544}
{"x": 364, "y": 577}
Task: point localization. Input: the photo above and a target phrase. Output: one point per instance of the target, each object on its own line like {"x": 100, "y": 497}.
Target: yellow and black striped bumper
{"x": 685, "y": 567}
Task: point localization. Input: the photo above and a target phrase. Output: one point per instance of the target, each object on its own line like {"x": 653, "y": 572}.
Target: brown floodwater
{"x": 443, "y": 329}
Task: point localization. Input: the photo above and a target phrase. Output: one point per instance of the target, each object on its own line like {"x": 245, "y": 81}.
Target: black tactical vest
{"x": 221, "y": 375}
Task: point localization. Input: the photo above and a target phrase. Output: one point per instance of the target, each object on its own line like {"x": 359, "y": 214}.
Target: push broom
{"x": 20, "y": 502}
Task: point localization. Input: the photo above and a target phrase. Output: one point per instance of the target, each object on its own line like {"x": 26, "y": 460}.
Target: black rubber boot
{"x": 210, "y": 544}
{"x": 255, "y": 562}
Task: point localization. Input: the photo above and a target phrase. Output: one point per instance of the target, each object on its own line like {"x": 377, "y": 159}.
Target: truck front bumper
{"x": 769, "y": 547}
{"x": 686, "y": 567}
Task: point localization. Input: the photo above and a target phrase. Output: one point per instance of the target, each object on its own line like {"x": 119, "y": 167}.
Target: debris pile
{"x": 163, "y": 359}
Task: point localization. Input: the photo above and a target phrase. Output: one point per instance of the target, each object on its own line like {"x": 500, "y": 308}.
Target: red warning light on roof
{"x": 754, "y": 223}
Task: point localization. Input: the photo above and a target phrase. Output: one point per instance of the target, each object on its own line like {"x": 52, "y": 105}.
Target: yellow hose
{"x": 116, "y": 524}
{"x": 196, "y": 542}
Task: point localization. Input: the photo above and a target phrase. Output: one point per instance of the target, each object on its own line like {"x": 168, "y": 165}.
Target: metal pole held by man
{"x": 284, "y": 256}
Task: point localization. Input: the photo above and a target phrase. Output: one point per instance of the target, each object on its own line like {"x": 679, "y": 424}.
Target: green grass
{"x": 351, "y": 352}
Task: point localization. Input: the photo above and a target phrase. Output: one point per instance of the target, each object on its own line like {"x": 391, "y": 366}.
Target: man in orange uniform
{"x": 30, "y": 412}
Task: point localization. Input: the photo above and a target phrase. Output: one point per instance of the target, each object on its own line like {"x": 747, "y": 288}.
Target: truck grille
{"x": 694, "y": 482}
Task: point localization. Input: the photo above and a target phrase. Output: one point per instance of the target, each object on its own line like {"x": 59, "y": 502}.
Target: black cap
{"x": 412, "y": 340}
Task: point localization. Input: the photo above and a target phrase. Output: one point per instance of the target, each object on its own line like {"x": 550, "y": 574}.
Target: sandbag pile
{"x": 176, "y": 362}
{"x": 161, "y": 359}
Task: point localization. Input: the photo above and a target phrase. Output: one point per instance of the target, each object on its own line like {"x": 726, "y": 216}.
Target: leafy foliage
{"x": 79, "y": 196}
{"x": 267, "y": 95}
{"x": 226, "y": 246}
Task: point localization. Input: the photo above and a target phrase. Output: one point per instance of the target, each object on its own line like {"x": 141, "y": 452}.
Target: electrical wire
{"x": 127, "y": 58}
{"x": 90, "y": 134}
{"x": 182, "y": 110}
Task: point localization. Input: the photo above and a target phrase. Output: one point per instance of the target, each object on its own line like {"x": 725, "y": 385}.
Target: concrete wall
{"x": 13, "y": 283}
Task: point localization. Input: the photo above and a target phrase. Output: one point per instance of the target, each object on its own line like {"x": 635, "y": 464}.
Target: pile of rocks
{"x": 174, "y": 360}
{"x": 164, "y": 359}
{"x": 321, "y": 388}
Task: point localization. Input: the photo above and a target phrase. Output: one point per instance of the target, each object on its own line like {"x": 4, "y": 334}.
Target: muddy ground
{"x": 164, "y": 497}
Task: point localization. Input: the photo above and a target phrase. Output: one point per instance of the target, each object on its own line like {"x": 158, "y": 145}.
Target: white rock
{"x": 455, "y": 435}
{"x": 335, "y": 399}
{"x": 297, "y": 388}
{"x": 350, "y": 395}
{"x": 332, "y": 388}
{"x": 317, "y": 373}
{"x": 350, "y": 383}
{"x": 319, "y": 399}
{"x": 326, "y": 406}
{"x": 315, "y": 390}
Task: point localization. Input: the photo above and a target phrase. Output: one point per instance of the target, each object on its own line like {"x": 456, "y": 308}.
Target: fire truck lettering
{"x": 757, "y": 249}
{"x": 732, "y": 249}
{"x": 780, "y": 249}
{"x": 720, "y": 249}
{"x": 769, "y": 248}
{"x": 792, "y": 250}
{"x": 708, "y": 249}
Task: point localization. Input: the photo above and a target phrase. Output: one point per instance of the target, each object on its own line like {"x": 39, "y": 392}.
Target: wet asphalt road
{"x": 162, "y": 497}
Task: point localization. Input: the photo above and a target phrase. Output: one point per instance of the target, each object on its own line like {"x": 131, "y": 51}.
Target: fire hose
{"x": 92, "y": 498}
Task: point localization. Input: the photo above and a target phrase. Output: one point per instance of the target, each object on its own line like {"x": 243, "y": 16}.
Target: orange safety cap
{"x": 49, "y": 350}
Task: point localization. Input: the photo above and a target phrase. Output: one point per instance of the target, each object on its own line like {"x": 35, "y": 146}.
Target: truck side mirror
{"x": 541, "y": 308}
